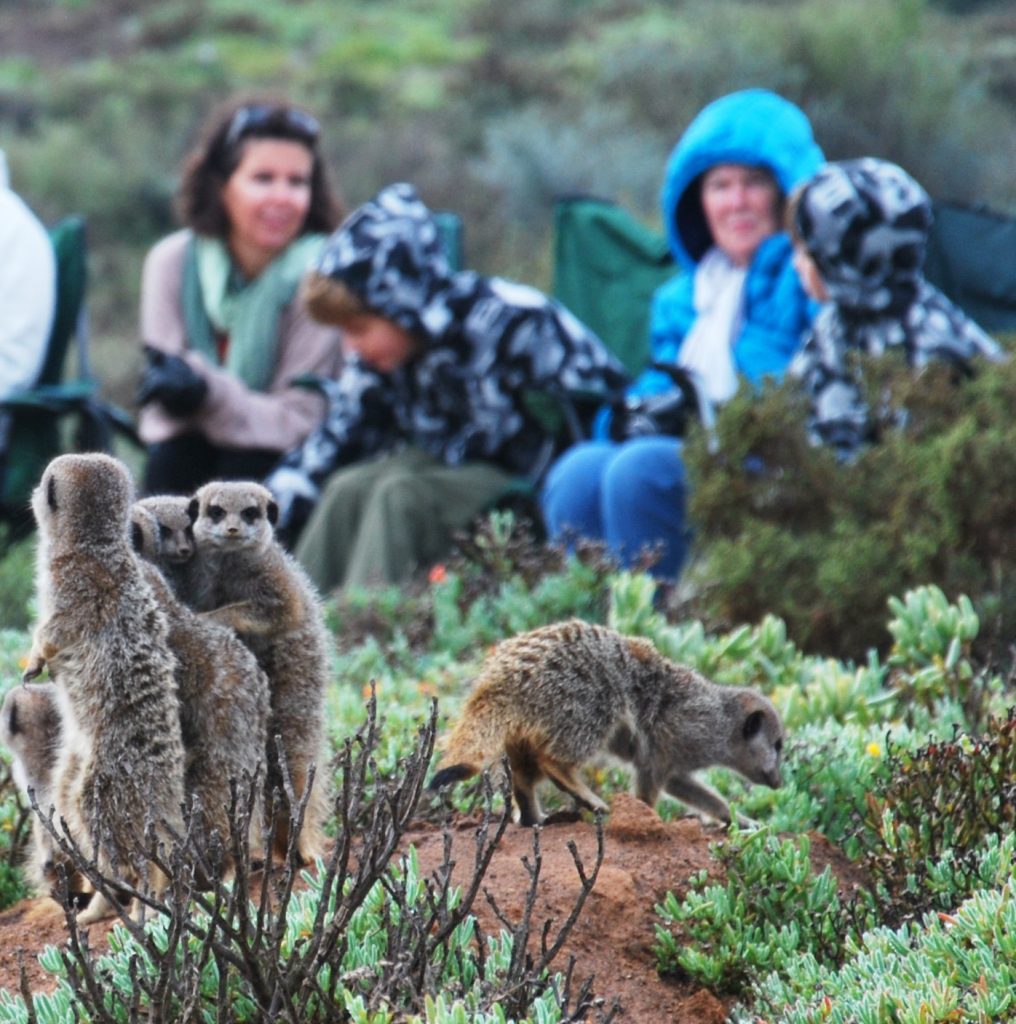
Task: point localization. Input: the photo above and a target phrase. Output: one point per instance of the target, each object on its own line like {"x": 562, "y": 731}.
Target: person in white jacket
{"x": 27, "y": 293}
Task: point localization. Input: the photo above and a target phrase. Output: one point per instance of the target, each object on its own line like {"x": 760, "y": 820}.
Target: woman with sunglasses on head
{"x": 224, "y": 330}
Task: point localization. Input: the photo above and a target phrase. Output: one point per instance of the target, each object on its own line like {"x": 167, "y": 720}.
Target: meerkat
{"x": 250, "y": 584}
{"x": 168, "y": 540}
{"x": 104, "y": 637}
{"x": 223, "y": 691}
{"x": 30, "y": 730}
{"x": 554, "y": 697}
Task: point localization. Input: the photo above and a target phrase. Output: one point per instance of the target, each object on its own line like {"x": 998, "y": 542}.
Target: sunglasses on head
{"x": 253, "y": 117}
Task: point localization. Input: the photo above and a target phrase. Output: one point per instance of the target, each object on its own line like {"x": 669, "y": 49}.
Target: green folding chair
{"x": 31, "y": 419}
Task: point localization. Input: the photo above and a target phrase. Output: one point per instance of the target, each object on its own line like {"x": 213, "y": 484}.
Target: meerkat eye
{"x": 251, "y": 514}
{"x": 51, "y": 493}
{"x": 778, "y": 746}
{"x": 165, "y": 532}
{"x": 216, "y": 513}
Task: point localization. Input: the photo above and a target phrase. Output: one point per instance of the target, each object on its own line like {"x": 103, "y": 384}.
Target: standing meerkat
{"x": 168, "y": 540}
{"x": 223, "y": 693}
{"x": 250, "y": 584}
{"x": 553, "y": 698}
{"x": 30, "y": 730}
{"x": 105, "y": 639}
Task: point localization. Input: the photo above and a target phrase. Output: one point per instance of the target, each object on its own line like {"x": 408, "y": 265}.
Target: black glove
{"x": 668, "y": 414}
{"x": 170, "y": 381}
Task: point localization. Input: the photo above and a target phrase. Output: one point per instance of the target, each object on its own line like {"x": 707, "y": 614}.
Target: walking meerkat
{"x": 553, "y": 698}
{"x": 30, "y": 730}
{"x": 246, "y": 581}
{"x": 223, "y": 692}
{"x": 105, "y": 639}
{"x": 168, "y": 540}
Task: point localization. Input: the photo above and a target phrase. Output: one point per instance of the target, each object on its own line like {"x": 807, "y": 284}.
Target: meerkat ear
{"x": 192, "y": 510}
{"x": 273, "y": 512}
{"x": 51, "y": 492}
{"x": 752, "y": 725}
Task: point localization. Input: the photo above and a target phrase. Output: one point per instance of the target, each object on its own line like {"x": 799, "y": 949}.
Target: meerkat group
{"x": 187, "y": 652}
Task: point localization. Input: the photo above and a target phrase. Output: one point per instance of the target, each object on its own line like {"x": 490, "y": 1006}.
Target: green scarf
{"x": 217, "y": 297}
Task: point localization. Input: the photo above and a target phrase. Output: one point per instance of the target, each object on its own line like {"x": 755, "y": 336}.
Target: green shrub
{"x": 17, "y": 582}
{"x": 959, "y": 966}
{"x": 785, "y": 530}
{"x": 770, "y": 909}
{"x": 932, "y": 811}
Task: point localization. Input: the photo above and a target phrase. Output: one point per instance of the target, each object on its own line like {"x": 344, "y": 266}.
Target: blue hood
{"x": 754, "y": 127}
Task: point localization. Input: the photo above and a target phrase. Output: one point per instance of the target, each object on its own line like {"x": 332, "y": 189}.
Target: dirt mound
{"x": 612, "y": 940}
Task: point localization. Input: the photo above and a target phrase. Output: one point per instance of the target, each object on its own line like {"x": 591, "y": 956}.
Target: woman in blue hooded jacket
{"x": 735, "y": 310}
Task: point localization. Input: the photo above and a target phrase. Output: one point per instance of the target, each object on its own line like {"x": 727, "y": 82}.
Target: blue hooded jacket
{"x": 758, "y": 128}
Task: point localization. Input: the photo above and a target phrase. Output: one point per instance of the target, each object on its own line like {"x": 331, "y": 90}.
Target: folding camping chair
{"x": 31, "y": 419}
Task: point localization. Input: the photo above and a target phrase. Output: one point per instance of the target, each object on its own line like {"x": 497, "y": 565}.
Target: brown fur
{"x": 224, "y": 700}
{"x": 167, "y": 540}
{"x": 250, "y": 584}
{"x": 105, "y": 639}
{"x": 551, "y": 699}
{"x": 30, "y": 730}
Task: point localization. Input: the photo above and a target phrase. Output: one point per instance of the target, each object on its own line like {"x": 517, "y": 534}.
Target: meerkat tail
{"x": 453, "y": 773}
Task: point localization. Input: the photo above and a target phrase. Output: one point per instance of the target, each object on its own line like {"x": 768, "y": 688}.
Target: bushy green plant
{"x": 958, "y": 966}
{"x": 17, "y": 581}
{"x": 785, "y": 530}
{"x": 931, "y": 812}
{"x": 770, "y": 908}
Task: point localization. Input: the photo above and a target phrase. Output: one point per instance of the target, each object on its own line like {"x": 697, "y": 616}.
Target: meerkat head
{"x": 145, "y": 533}
{"x": 30, "y": 730}
{"x": 756, "y": 742}
{"x": 84, "y": 498}
{"x": 173, "y": 540}
{"x": 233, "y": 515}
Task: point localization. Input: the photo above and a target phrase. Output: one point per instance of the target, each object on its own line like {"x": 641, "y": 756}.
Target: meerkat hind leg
{"x": 565, "y": 777}
{"x": 526, "y": 773}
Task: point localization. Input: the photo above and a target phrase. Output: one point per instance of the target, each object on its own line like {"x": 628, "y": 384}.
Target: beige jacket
{"x": 233, "y": 416}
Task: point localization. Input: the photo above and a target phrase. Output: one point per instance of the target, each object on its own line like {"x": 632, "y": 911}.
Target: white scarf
{"x": 719, "y": 304}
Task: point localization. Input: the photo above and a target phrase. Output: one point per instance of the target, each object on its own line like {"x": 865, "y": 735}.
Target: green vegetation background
{"x": 492, "y": 109}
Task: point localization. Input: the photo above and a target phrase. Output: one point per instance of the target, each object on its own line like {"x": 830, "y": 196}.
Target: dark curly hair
{"x": 208, "y": 166}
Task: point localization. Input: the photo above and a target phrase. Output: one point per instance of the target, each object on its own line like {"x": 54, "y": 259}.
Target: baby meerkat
{"x": 30, "y": 730}
{"x": 553, "y": 698}
{"x": 168, "y": 540}
{"x": 223, "y": 694}
{"x": 105, "y": 639}
{"x": 250, "y": 584}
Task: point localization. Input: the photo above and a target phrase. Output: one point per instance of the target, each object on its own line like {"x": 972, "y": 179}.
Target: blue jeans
{"x": 628, "y": 495}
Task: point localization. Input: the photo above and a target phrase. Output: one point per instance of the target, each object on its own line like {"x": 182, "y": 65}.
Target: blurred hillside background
{"x": 492, "y": 109}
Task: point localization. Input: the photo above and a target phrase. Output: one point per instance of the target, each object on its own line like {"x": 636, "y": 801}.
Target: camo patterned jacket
{"x": 486, "y": 341}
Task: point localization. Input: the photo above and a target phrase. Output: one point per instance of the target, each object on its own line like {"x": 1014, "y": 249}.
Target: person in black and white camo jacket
{"x": 860, "y": 230}
{"x": 426, "y": 424}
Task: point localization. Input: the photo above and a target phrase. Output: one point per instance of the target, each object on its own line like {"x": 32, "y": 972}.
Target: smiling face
{"x": 266, "y": 199}
{"x": 741, "y": 206}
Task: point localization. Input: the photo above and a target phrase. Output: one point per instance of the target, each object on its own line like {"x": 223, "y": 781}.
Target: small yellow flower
{"x": 368, "y": 688}
{"x": 427, "y": 689}
{"x": 874, "y": 749}
{"x": 23, "y": 661}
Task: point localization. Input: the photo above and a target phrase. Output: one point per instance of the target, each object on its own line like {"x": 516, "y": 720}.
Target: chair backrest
{"x": 449, "y": 225}
{"x": 69, "y": 244}
{"x": 607, "y": 264}
{"x": 972, "y": 258}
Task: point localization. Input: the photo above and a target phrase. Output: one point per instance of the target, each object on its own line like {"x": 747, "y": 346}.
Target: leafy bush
{"x": 786, "y": 531}
{"x": 958, "y": 966}
{"x": 931, "y": 813}
{"x": 771, "y": 908}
